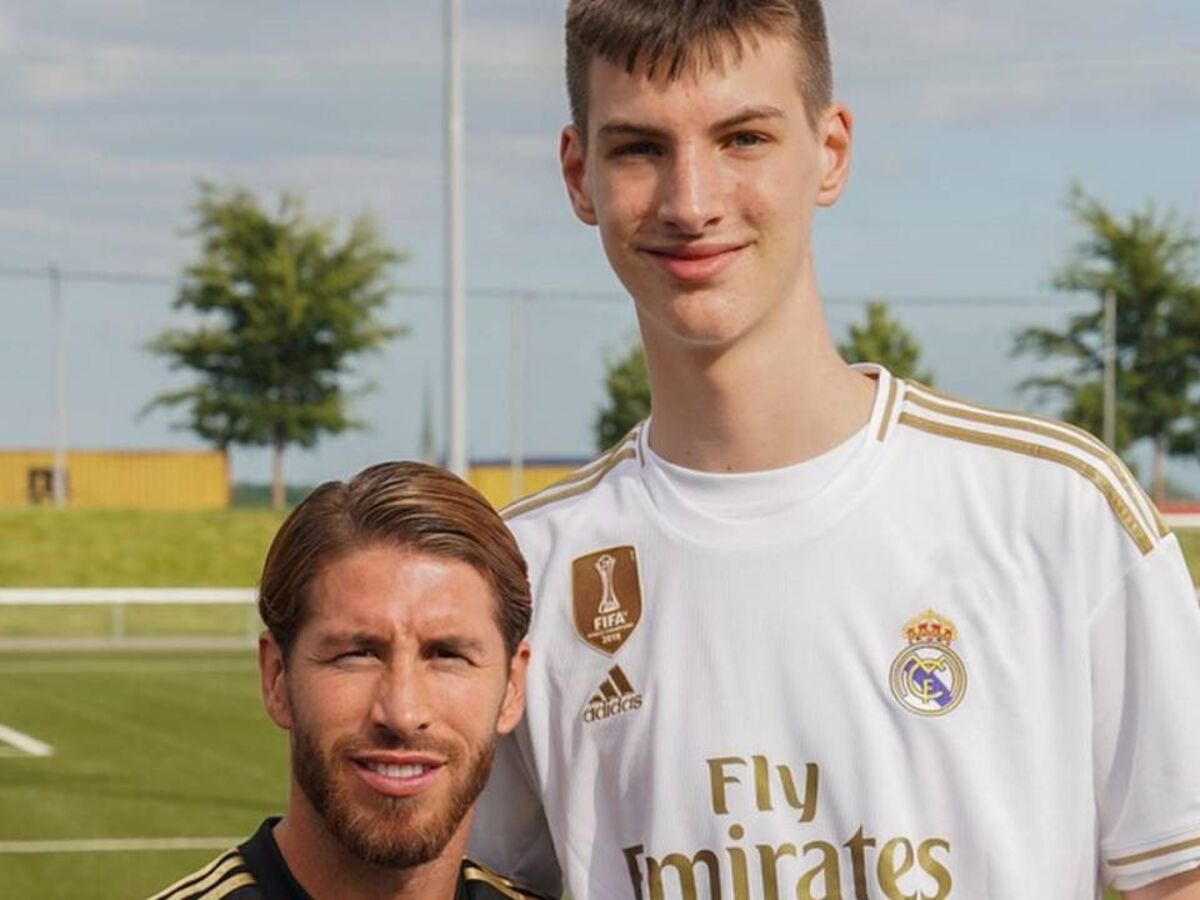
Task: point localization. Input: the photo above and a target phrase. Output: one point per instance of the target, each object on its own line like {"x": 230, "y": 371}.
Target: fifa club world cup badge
{"x": 608, "y": 597}
{"x": 928, "y": 678}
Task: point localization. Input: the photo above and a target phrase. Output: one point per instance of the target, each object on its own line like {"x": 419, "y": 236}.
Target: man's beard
{"x": 387, "y": 832}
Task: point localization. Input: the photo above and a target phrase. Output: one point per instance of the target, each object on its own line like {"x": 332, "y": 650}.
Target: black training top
{"x": 256, "y": 870}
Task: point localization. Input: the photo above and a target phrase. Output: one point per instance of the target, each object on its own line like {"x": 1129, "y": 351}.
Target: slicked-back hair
{"x": 667, "y": 38}
{"x": 407, "y": 505}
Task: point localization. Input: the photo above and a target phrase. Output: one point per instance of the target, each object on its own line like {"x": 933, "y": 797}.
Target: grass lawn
{"x": 133, "y": 548}
{"x": 145, "y": 746}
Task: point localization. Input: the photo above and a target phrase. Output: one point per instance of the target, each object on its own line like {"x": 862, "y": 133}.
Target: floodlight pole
{"x": 456, "y": 306}
{"x": 58, "y": 472}
{"x": 1110, "y": 368}
{"x": 516, "y": 397}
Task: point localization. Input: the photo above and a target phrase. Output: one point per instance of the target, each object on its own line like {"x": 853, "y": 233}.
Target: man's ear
{"x": 572, "y": 154}
{"x": 273, "y": 679}
{"x": 836, "y": 131}
{"x": 513, "y": 705}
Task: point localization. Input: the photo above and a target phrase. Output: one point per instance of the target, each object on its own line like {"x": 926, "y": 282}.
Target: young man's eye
{"x": 635, "y": 148}
{"x": 744, "y": 139}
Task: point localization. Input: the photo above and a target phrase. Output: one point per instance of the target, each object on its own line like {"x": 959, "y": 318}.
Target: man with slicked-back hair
{"x": 396, "y": 607}
{"x": 810, "y": 630}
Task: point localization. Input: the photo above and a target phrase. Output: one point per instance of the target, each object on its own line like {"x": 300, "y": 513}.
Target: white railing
{"x": 119, "y": 599}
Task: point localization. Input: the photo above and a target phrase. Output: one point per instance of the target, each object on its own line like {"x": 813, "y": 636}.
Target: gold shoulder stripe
{"x": 580, "y": 474}
{"x": 893, "y": 387}
{"x": 578, "y": 482}
{"x": 550, "y": 496}
{"x": 200, "y": 875}
{"x": 1154, "y": 854}
{"x": 474, "y": 872}
{"x": 225, "y": 888}
{"x": 1050, "y": 428}
{"x": 1040, "y": 451}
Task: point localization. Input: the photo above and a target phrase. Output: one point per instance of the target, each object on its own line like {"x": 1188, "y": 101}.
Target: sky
{"x": 972, "y": 120}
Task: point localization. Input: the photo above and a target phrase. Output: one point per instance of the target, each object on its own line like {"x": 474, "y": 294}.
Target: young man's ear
{"x": 273, "y": 681}
{"x": 513, "y": 705}
{"x": 836, "y": 132}
{"x": 572, "y": 154}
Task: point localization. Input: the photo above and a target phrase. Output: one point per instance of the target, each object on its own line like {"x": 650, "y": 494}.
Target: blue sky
{"x": 972, "y": 119}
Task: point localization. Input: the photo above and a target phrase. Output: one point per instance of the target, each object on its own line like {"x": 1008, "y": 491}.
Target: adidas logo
{"x": 615, "y": 697}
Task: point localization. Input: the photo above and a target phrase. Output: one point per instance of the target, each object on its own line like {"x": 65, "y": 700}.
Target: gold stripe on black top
{"x": 220, "y": 867}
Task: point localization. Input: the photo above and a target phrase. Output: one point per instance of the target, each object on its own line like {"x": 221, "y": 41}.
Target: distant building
{"x": 496, "y": 479}
{"x": 199, "y": 479}
{"x": 118, "y": 479}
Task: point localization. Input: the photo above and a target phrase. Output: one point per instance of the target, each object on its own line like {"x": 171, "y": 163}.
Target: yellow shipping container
{"x": 495, "y": 480}
{"x": 119, "y": 479}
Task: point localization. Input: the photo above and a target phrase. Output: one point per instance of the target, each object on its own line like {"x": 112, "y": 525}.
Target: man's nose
{"x": 690, "y": 194}
{"x": 402, "y": 698}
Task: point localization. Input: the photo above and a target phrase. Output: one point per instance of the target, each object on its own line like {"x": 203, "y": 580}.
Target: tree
{"x": 882, "y": 339}
{"x": 628, "y": 386}
{"x": 284, "y": 305}
{"x": 1148, "y": 262}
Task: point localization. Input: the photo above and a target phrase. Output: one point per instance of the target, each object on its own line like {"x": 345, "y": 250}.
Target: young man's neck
{"x": 327, "y": 870}
{"x": 776, "y": 397}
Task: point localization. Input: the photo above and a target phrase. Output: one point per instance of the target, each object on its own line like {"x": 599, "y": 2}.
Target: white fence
{"x": 118, "y": 600}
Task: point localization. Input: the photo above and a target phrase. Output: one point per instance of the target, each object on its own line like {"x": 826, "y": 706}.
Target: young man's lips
{"x": 695, "y": 262}
{"x": 398, "y": 775}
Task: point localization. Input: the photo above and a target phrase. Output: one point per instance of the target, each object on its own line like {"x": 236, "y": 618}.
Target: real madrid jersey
{"x": 963, "y": 660}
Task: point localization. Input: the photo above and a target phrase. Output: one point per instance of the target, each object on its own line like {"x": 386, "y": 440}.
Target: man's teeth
{"x": 389, "y": 771}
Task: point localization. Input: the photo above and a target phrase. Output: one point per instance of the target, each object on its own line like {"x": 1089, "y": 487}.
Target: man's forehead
{"x": 758, "y": 78}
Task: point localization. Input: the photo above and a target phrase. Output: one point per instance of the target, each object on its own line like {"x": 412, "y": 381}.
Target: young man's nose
{"x": 690, "y": 192}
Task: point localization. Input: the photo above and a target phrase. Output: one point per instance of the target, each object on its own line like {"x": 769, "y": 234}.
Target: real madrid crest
{"x": 928, "y": 678}
{"x": 608, "y": 597}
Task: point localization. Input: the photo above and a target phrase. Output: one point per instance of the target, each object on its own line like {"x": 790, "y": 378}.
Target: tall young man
{"x": 396, "y": 606}
{"x": 811, "y": 631}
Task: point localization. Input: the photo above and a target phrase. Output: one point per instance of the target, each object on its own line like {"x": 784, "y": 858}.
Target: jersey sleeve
{"x": 1145, "y": 640}
{"x": 510, "y": 834}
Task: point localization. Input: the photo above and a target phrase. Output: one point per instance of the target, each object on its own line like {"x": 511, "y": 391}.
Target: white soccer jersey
{"x": 966, "y": 664}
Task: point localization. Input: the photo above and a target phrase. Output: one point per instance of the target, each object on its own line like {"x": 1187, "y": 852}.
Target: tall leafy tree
{"x": 281, "y": 305}
{"x": 1148, "y": 261}
{"x": 627, "y": 384}
{"x": 882, "y": 339}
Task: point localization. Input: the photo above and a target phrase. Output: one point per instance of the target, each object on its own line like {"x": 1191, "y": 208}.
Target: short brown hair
{"x": 403, "y": 504}
{"x": 670, "y": 36}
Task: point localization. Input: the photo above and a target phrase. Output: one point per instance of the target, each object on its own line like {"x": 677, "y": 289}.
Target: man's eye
{"x": 356, "y": 654}
{"x": 636, "y": 148}
{"x": 745, "y": 139}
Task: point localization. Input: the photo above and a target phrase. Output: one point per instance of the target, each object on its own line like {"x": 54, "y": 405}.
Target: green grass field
{"x": 133, "y": 548}
{"x": 146, "y": 745}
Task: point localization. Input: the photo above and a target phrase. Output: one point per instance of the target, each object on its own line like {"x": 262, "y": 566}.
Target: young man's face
{"x": 395, "y": 692}
{"x": 704, "y": 188}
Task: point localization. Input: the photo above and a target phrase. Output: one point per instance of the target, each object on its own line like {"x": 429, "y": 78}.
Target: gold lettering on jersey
{"x": 810, "y": 867}
{"x": 719, "y": 777}
{"x": 607, "y": 596}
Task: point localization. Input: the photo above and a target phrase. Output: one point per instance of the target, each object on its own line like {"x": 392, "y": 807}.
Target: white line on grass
{"x": 23, "y": 742}
{"x": 120, "y": 845}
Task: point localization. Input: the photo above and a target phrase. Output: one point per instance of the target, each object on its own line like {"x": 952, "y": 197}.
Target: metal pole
{"x": 58, "y": 475}
{"x": 456, "y": 307}
{"x": 516, "y": 398}
{"x": 1110, "y": 368}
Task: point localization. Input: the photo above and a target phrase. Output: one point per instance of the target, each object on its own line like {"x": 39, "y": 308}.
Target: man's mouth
{"x": 695, "y": 263}
{"x": 393, "y": 771}
{"x": 398, "y": 777}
